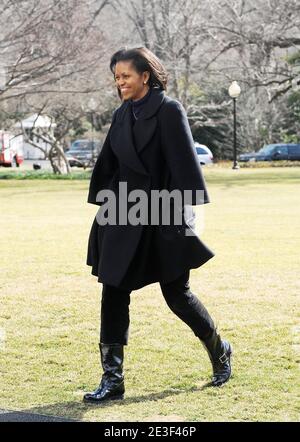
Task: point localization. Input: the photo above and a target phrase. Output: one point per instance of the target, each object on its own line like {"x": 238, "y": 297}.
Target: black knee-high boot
{"x": 219, "y": 352}
{"x": 112, "y": 382}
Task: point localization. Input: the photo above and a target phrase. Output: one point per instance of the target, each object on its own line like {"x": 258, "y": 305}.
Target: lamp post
{"x": 234, "y": 91}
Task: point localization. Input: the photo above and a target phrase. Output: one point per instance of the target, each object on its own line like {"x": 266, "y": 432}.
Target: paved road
{"x": 18, "y": 416}
{"x": 45, "y": 165}
{"x": 28, "y": 164}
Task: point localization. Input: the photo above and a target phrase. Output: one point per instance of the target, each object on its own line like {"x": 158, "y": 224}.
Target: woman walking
{"x": 149, "y": 148}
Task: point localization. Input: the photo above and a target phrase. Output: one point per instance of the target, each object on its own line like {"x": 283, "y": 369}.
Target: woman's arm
{"x": 104, "y": 168}
{"x": 180, "y": 154}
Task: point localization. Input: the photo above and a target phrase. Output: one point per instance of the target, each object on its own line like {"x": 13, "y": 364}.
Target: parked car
{"x": 83, "y": 153}
{"x": 204, "y": 154}
{"x": 248, "y": 156}
{"x": 274, "y": 152}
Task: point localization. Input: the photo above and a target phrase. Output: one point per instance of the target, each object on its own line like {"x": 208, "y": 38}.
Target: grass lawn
{"x": 49, "y": 316}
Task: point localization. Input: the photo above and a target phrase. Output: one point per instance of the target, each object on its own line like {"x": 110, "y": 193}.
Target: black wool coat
{"x": 156, "y": 152}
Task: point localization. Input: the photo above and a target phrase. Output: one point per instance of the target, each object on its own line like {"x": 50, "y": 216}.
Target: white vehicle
{"x": 204, "y": 154}
{"x": 11, "y": 149}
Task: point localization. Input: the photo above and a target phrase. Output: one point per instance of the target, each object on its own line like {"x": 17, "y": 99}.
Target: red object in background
{"x": 11, "y": 149}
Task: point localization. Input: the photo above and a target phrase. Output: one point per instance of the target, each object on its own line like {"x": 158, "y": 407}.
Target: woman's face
{"x": 131, "y": 84}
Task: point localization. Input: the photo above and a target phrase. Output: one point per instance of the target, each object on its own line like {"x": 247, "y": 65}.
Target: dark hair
{"x": 142, "y": 60}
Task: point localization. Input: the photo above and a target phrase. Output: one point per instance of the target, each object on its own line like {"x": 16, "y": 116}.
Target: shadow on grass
{"x": 76, "y": 410}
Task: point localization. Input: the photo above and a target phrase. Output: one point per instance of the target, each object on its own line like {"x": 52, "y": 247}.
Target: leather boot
{"x": 112, "y": 382}
{"x": 219, "y": 353}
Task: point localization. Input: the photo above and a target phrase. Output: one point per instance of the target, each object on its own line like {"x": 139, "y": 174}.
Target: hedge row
{"x": 43, "y": 175}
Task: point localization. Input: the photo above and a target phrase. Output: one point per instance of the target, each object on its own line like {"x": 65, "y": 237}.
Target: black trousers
{"x": 115, "y": 310}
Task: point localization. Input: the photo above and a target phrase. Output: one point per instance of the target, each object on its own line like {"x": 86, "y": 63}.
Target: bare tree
{"x": 59, "y": 52}
{"x": 258, "y": 37}
{"x": 47, "y": 45}
{"x": 49, "y": 51}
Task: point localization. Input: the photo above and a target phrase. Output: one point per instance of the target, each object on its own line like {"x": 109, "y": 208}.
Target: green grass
{"x": 50, "y": 307}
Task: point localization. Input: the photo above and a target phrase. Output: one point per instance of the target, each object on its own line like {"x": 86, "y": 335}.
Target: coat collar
{"x": 149, "y": 109}
{"x": 128, "y": 147}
